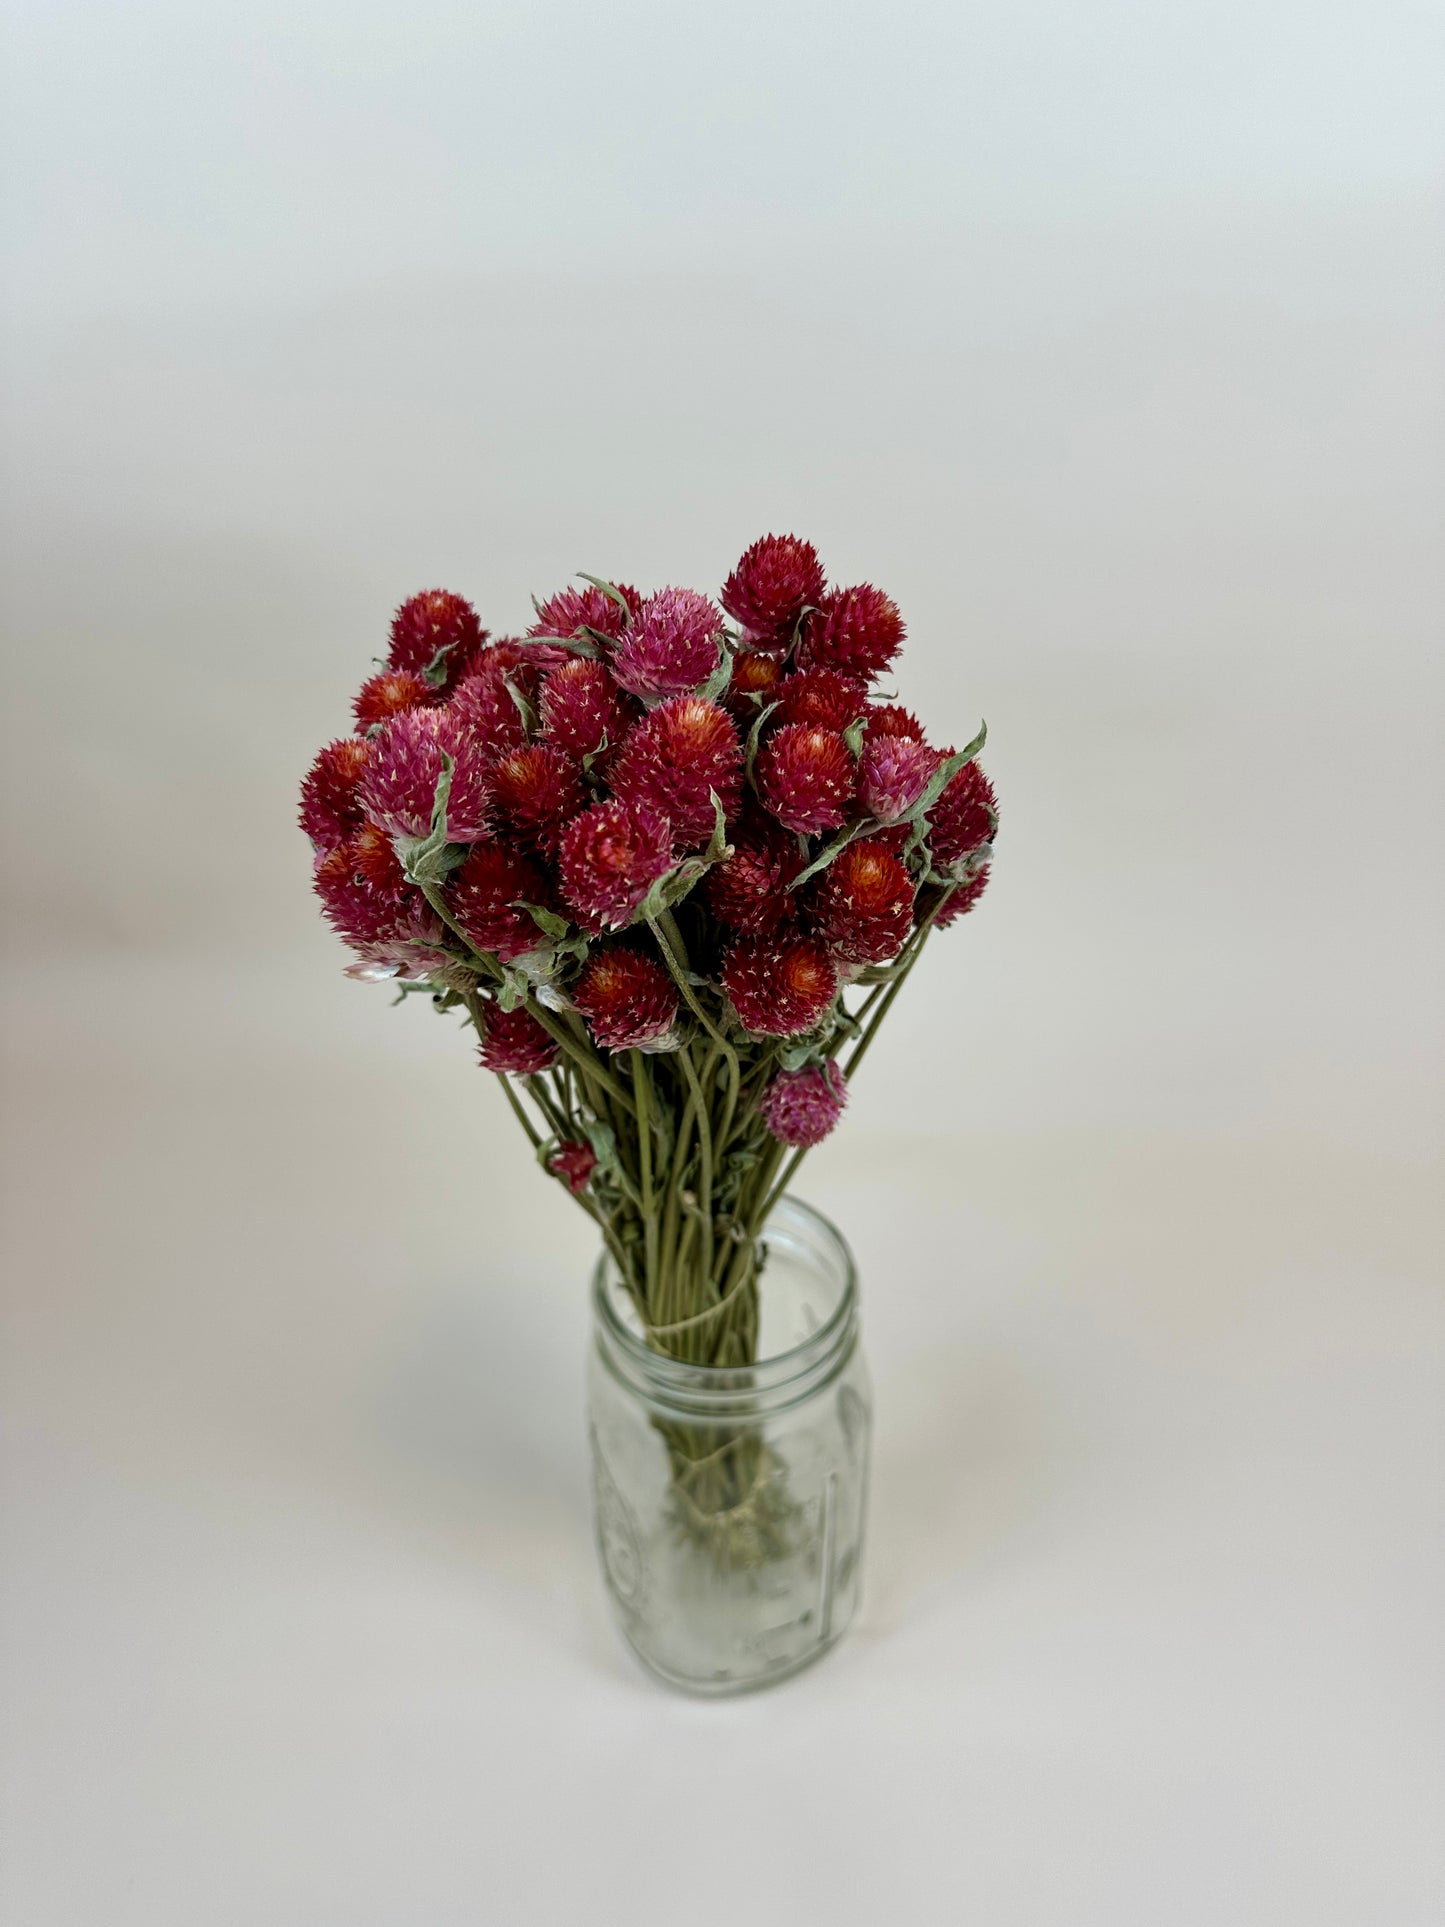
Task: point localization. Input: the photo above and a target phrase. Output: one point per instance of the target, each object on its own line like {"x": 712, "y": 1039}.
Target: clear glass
{"x": 729, "y": 1504}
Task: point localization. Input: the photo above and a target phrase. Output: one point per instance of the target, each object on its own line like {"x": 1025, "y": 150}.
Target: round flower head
{"x": 331, "y": 809}
{"x": 485, "y": 893}
{"x": 366, "y": 912}
{"x": 484, "y": 703}
{"x": 891, "y": 719}
{"x": 858, "y": 631}
{"x": 514, "y": 1042}
{"x": 675, "y": 760}
{"x": 536, "y": 791}
{"x": 572, "y": 610}
{"x": 862, "y": 904}
{"x": 574, "y": 1163}
{"x": 893, "y": 773}
{"x": 627, "y": 997}
{"x": 386, "y": 695}
{"x": 776, "y": 579}
{"x": 670, "y": 646}
{"x": 749, "y": 891}
{"x": 583, "y": 711}
{"x": 806, "y": 777}
{"x": 965, "y": 815}
{"x": 753, "y": 684}
{"x": 821, "y": 698}
{"x": 779, "y": 985}
{"x": 801, "y": 1107}
{"x": 962, "y": 900}
{"x": 435, "y": 635}
{"x": 399, "y": 788}
{"x": 609, "y": 858}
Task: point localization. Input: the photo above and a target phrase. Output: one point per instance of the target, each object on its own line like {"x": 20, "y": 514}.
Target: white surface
{"x": 1108, "y": 340}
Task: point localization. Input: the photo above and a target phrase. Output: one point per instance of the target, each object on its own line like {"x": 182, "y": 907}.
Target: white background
{"x": 1104, "y": 336}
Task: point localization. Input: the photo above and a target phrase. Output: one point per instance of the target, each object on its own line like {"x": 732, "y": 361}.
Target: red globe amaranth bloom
{"x": 484, "y": 895}
{"x": 399, "y": 787}
{"x": 514, "y": 1042}
{"x": 375, "y": 859}
{"x": 821, "y": 698}
{"x": 893, "y": 772}
{"x": 536, "y": 791}
{"x": 965, "y": 815}
{"x": 627, "y": 997}
{"x": 858, "y": 631}
{"x": 670, "y": 646}
{"x": 770, "y": 587}
{"x": 571, "y": 610}
{"x": 435, "y": 635}
{"x": 674, "y": 761}
{"x": 386, "y": 695}
{"x": 801, "y": 1107}
{"x": 749, "y": 891}
{"x": 806, "y": 777}
{"x": 862, "y": 904}
{"x": 331, "y": 809}
{"x": 583, "y": 709}
{"x": 962, "y": 900}
{"x": 367, "y": 913}
{"x": 574, "y": 1164}
{"x": 779, "y": 985}
{"x": 753, "y": 684}
{"x": 484, "y": 703}
{"x": 891, "y": 719}
{"x": 609, "y": 858}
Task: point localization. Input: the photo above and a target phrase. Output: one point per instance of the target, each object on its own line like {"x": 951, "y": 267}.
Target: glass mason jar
{"x": 729, "y": 1503}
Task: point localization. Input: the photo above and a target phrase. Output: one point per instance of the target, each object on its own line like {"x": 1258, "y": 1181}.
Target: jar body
{"x": 729, "y": 1505}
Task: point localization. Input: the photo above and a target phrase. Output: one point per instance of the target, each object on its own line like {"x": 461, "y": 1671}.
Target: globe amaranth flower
{"x": 536, "y": 791}
{"x": 821, "y": 698}
{"x": 434, "y": 635}
{"x": 574, "y": 1163}
{"x": 399, "y": 787}
{"x": 485, "y": 705}
{"x": 670, "y": 646}
{"x": 675, "y": 760}
{"x": 780, "y": 985}
{"x": 572, "y": 610}
{"x": 608, "y": 859}
{"x": 962, "y": 900}
{"x": 801, "y": 1107}
{"x": 806, "y": 778}
{"x": 583, "y": 711}
{"x": 331, "y": 810}
{"x": 385, "y": 695}
{"x": 774, "y": 581}
{"x": 484, "y": 897}
{"x": 893, "y": 772}
{"x": 965, "y": 815}
{"x": 750, "y": 889}
{"x": 858, "y": 631}
{"x": 753, "y": 683}
{"x": 366, "y": 912}
{"x": 514, "y": 1042}
{"x": 627, "y": 997}
{"x": 891, "y": 719}
{"x": 862, "y": 904}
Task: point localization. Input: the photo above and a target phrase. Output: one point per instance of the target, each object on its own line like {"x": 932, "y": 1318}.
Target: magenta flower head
{"x": 367, "y": 912}
{"x": 536, "y": 791}
{"x": 858, "y": 631}
{"x": 750, "y": 890}
{"x": 515, "y": 1043}
{"x": 385, "y": 695}
{"x": 776, "y": 579}
{"x": 574, "y": 1163}
{"x": 675, "y": 760}
{"x": 627, "y": 997}
{"x": 485, "y": 705}
{"x": 434, "y": 636}
{"x": 963, "y": 899}
{"x": 965, "y": 815}
{"x": 862, "y": 904}
{"x": 584, "y": 713}
{"x": 779, "y": 986}
{"x": 893, "y": 773}
{"x": 399, "y": 788}
{"x": 821, "y": 698}
{"x": 331, "y": 809}
{"x": 806, "y": 778}
{"x": 485, "y": 895}
{"x": 753, "y": 683}
{"x": 609, "y": 858}
{"x": 891, "y": 719}
{"x": 801, "y": 1107}
{"x": 670, "y": 647}
{"x": 571, "y": 611}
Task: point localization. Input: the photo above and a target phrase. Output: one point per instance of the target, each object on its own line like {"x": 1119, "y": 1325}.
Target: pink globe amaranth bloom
{"x": 514, "y": 1042}
{"x": 821, "y": 698}
{"x": 536, "y": 791}
{"x": 891, "y": 719}
{"x": 366, "y": 913}
{"x": 331, "y": 811}
{"x": 574, "y": 1164}
{"x": 962, "y": 900}
{"x": 483, "y": 703}
{"x": 399, "y": 788}
{"x": 386, "y": 695}
{"x": 749, "y": 891}
{"x": 572, "y": 610}
{"x": 609, "y": 858}
{"x": 435, "y": 635}
{"x": 893, "y": 772}
{"x": 779, "y": 986}
{"x": 858, "y": 631}
{"x": 626, "y": 996}
{"x": 673, "y": 762}
{"x": 773, "y": 582}
{"x": 485, "y": 893}
{"x": 862, "y": 904}
{"x": 801, "y": 1107}
{"x": 583, "y": 711}
{"x": 965, "y": 815}
{"x": 806, "y": 777}
{"x": 670, "y": 647}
